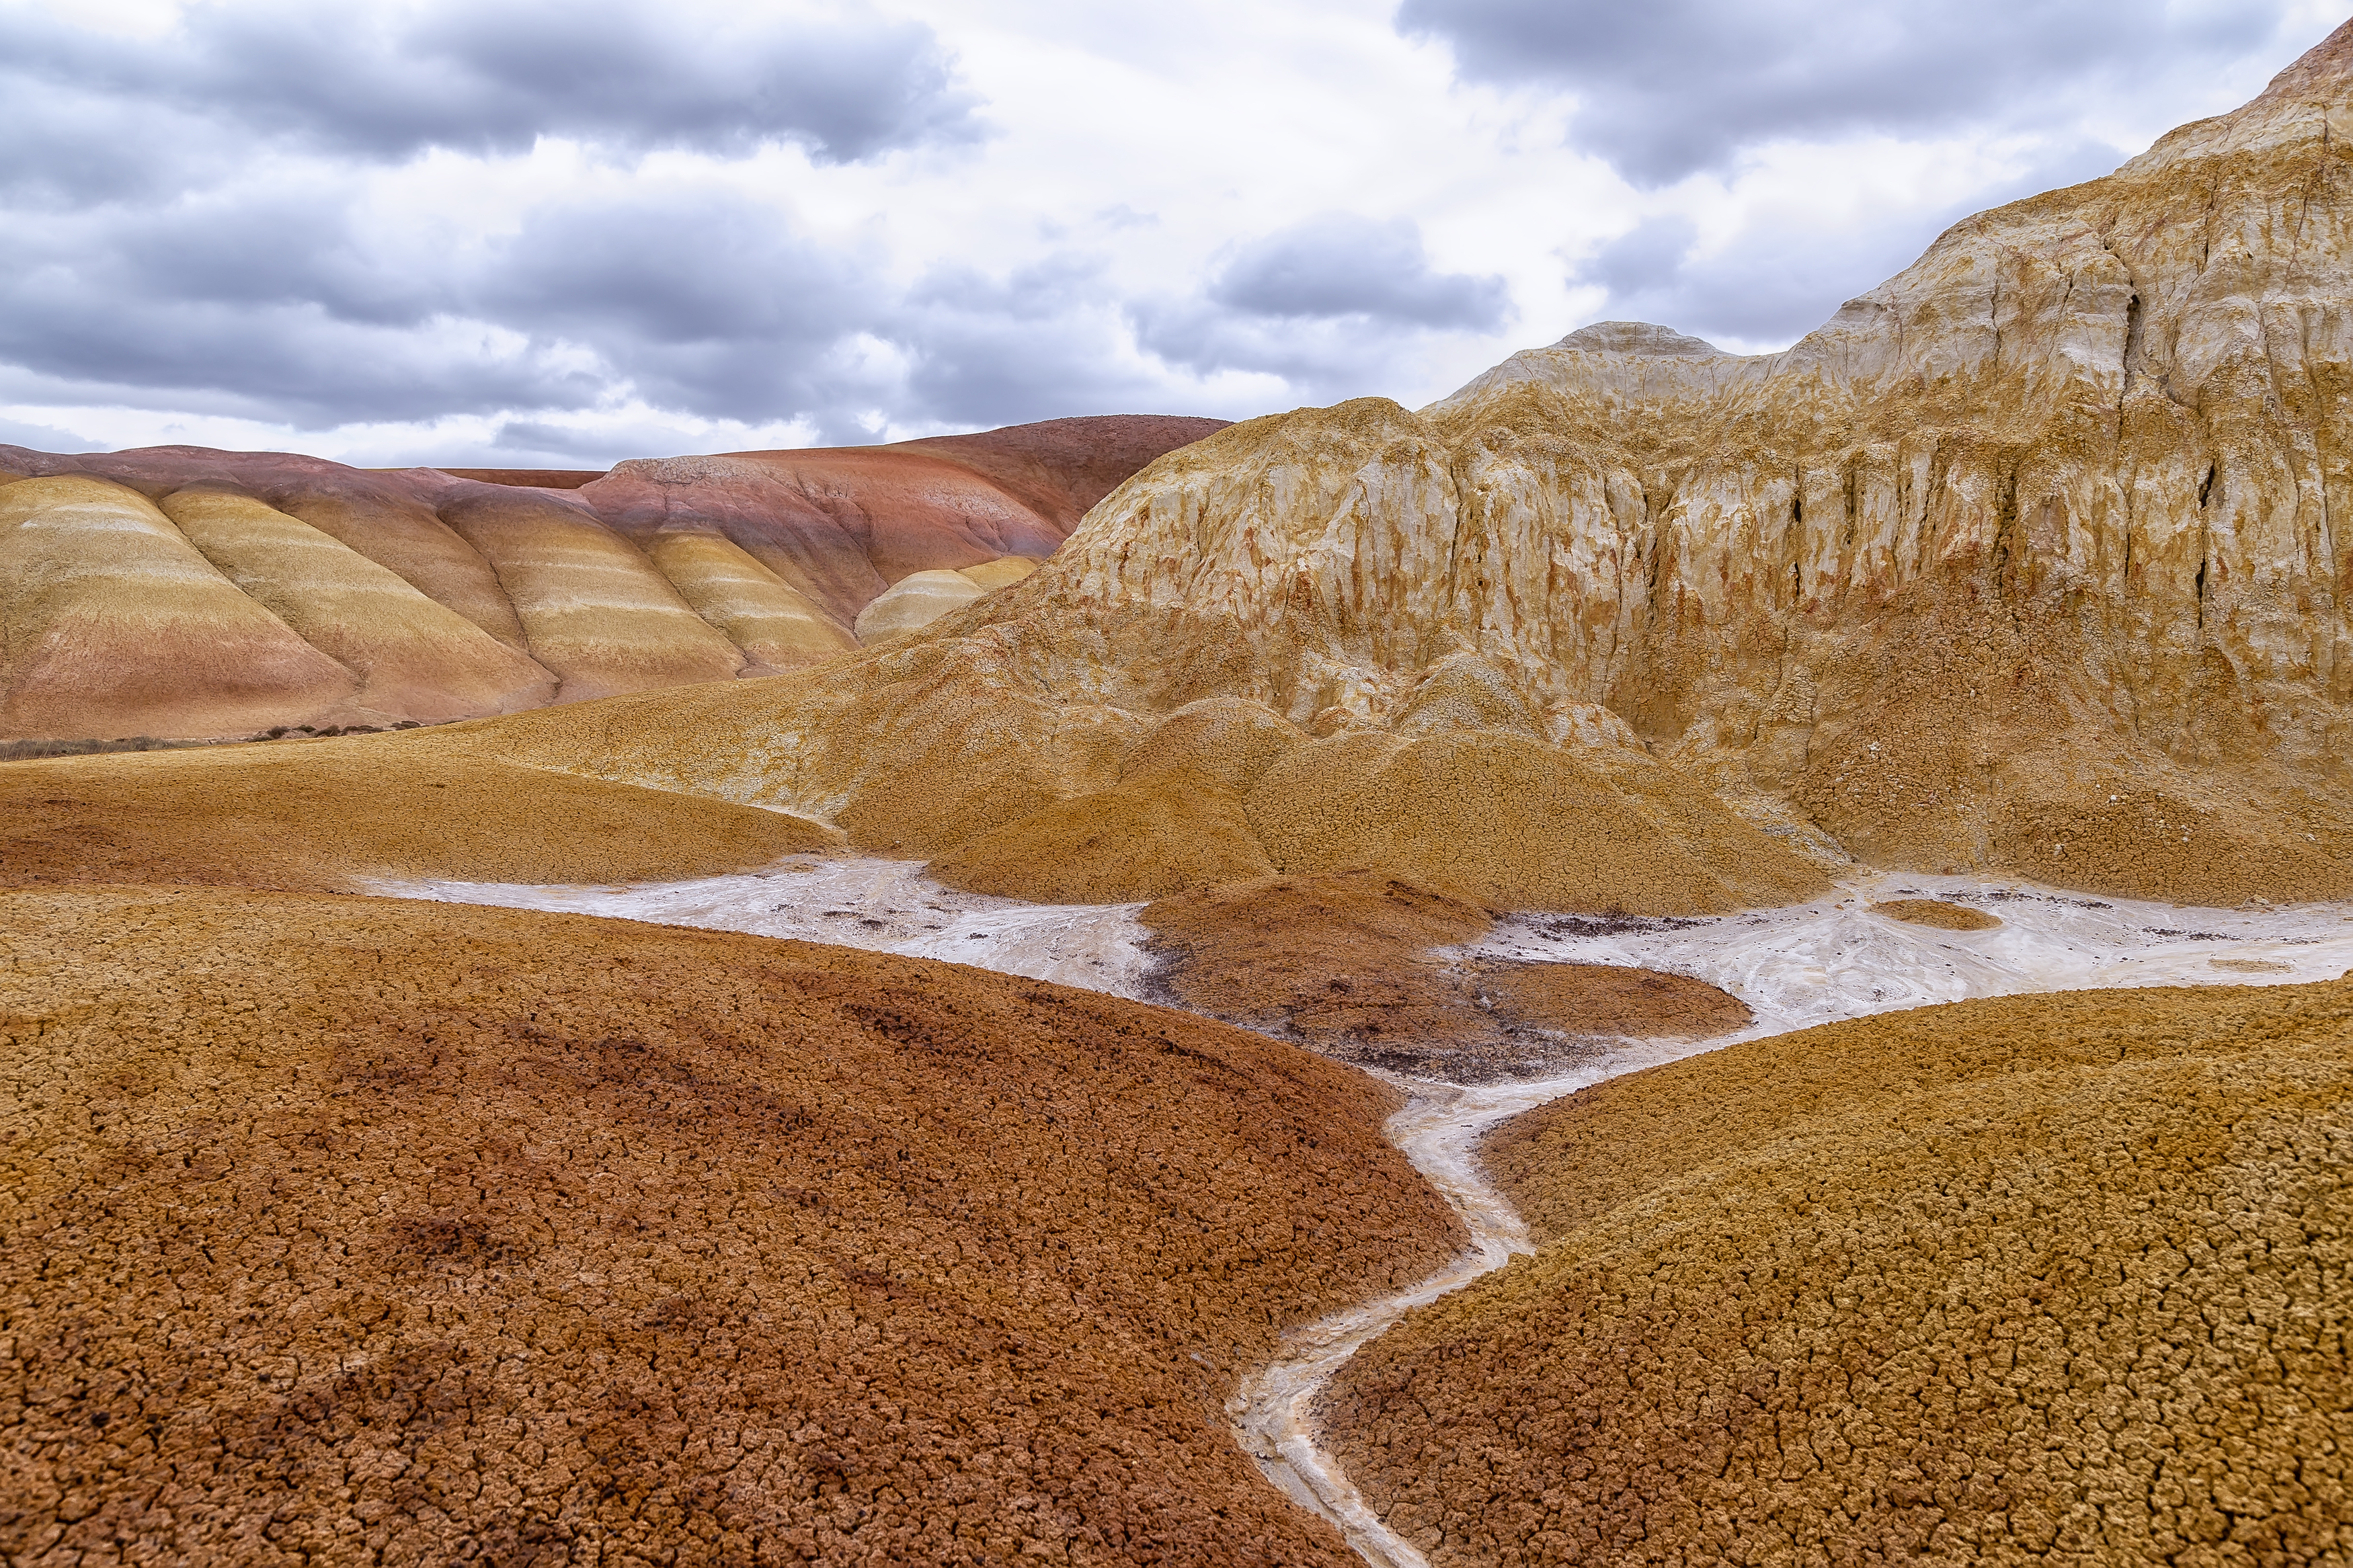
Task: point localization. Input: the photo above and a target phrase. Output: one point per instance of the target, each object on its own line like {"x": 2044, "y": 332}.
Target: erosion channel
{"x": 1851, "y": 954}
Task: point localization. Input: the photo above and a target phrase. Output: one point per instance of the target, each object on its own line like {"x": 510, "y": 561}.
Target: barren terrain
{"x": 2046, "y": 1275}
{"x": 357, "y": 1230}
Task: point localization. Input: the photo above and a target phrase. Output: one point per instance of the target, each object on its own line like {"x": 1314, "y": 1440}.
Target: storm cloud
{"x": 1669, "y": 87}
{"x": 388, "y": 83}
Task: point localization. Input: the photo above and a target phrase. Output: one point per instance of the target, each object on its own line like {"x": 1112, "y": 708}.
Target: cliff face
{"x": 2056, "y": 519}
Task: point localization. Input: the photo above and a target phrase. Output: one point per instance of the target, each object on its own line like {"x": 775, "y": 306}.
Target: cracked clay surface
{"x": 365, "y": 1231}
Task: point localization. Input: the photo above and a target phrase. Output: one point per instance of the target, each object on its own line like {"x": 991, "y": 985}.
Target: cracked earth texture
{"x": 363, "y": 1231}
{"x": 2061, "y": 1278}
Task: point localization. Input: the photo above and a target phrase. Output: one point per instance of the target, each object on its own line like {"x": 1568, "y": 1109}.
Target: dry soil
{"x": 342, "y": 1230}
{"x": 2053, "y": 1277}
{"x": 1344, "y": 961}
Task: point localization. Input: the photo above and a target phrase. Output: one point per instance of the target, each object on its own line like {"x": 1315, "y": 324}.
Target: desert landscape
{"x": 1677, "y": 956}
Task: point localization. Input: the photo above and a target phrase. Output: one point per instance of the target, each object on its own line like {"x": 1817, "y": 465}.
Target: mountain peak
{"x": 2324, "y": 70}
{"x": 1638, "y": 338}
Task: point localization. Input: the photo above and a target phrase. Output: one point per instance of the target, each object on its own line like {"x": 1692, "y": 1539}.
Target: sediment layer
{"x": 337, "y": 596}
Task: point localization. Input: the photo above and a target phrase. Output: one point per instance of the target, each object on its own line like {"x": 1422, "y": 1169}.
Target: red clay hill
{"x": 183, "y": 593}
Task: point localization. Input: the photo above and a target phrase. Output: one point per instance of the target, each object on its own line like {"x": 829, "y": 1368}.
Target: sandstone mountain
{"x": 179, "y": 592}
{"x": 2034, "y": 559}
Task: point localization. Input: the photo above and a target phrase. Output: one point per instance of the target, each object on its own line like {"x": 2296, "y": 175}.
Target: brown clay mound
{"x": 1148, "y": 838}
{"x": 328, "y": 814}
{"x": 2021, "y": 1279}
{"x": 1608, "y": 999}
{"x": 1519, "y": 825}
{"x": 1343, "y": 962}
{"x": 1936, "y": 912}
{"x": 341, "y": 1229}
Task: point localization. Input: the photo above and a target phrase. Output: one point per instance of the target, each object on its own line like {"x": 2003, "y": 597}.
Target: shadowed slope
{"x": 425, "y": 1233}
{"x": 2003, "y": 1281}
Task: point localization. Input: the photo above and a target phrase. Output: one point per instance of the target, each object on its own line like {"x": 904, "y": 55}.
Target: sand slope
{"x": 342, "y": 1228}
{"x": 2060, "y": 1275}
{"x": 332, "y": 814}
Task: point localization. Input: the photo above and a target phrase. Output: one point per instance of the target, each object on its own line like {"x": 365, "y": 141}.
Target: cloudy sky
{"x": 562, "y": 232}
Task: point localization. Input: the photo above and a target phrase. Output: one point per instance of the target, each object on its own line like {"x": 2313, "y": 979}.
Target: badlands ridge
{"x": 364, "y": 1229}
{"x": 176, "y": 592}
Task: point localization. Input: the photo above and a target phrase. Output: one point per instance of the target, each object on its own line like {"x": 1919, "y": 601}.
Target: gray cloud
{"x": 1339, "y": 264}
{"x": 1779, "y": 279}
{"x": 385, "y": 84}
{"x": 1669, "y": 87}
{"x": 42, "y": 438}
{"x": 1331, "y": 305}
{"x": 1040, "y": 342}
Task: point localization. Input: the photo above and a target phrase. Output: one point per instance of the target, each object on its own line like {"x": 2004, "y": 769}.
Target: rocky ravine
{"x": 2030, "y": 560}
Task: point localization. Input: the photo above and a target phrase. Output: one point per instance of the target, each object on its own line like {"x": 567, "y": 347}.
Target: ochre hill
{"x": 183, "y": 593}
{"x": 331, "y": 815}
{"x": 339, "y": 1229}
{"x": 2030, "y": 560}
{"x": 2044, "y": 1279}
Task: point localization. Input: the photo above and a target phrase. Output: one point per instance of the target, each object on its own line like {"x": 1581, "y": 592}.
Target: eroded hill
{"x": 338, "y": 1228}
{"x": 180, "y": 592}
{"x": 2050, "y": 1277}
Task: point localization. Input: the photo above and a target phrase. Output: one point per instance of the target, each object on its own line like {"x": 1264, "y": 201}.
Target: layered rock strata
{"x": 333, "y": 597}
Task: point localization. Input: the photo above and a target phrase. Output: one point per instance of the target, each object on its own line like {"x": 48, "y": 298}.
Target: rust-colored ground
{"x": 1164, "y": 833}
{"x": 325, "y": 815}
{"x": 1936, "y": 912}
{"x": 344, "y": 1230}
{"x": 1343, "y": 962}
{"x": 2061, "y": 1278}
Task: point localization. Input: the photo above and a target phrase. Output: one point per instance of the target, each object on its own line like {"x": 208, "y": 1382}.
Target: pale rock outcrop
{"x": 915, "y": 601}
{"x": 2032, "y": 558}
{"x": 1001, "y": 572}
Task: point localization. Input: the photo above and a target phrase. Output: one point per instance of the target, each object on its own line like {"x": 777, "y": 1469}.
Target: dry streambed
{"x": 1832, "y": 959}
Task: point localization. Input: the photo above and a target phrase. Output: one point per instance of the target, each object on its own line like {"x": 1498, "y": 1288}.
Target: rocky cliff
{"x": 2032, "y": 558}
